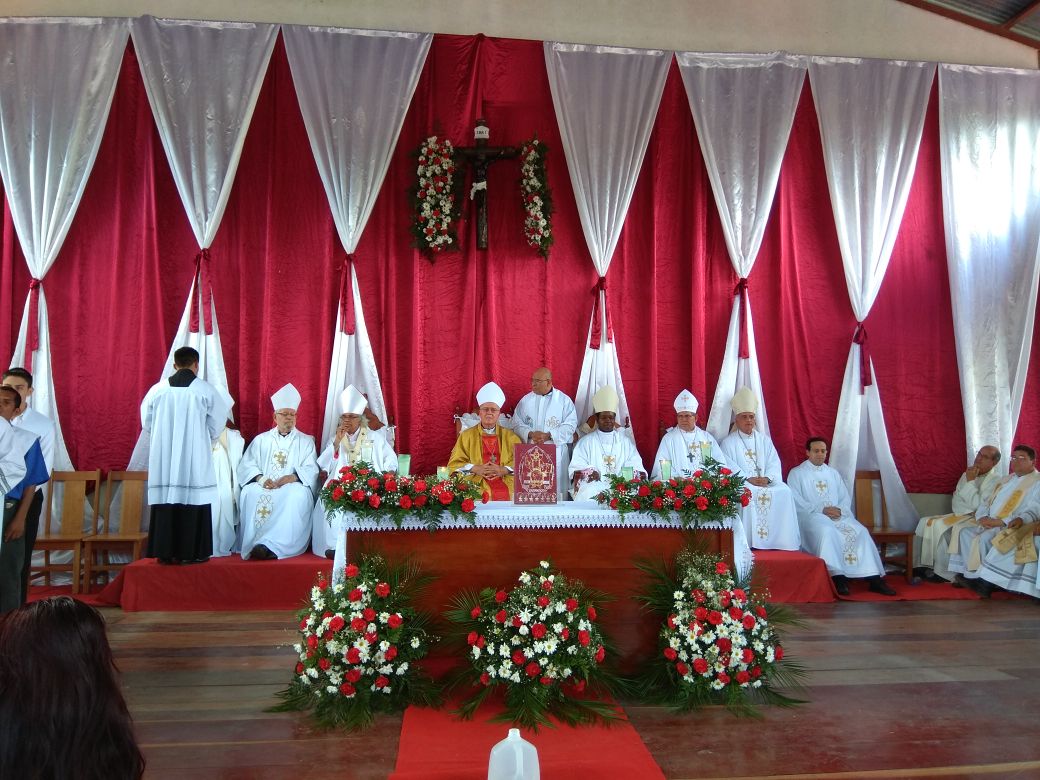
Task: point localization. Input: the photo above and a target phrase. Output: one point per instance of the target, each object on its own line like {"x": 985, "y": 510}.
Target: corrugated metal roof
{"x": 1018, "y": 20}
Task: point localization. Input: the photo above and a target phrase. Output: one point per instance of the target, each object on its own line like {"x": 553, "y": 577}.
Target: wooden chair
{"x": 97, "y": 547}
{"x": 884, "y": 537}
{"x": 76, "y": 493}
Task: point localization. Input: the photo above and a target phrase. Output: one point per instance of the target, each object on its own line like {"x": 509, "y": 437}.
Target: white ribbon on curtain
{"x": 203, "y": 80}
{"x": 871, "y": 116}
{"x": 990, "y": 145}
{"x": 606, "y": 101}
{"x": 354, "y": 88}
{"x": 57, "y": 79}
{"x": 743, "y": 106}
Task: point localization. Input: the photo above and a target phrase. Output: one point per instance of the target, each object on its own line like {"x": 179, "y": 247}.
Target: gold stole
{"x": 353, "y": 452}
{"x": 1020, "y": 540}
{"x": 1006, "y": 510}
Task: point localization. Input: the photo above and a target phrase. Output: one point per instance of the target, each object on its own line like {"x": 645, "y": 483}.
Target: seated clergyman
{"x": 933, "y": 535}
{"x": 828, "y": 527}
{"x": 604, "y": 452}
{"x": 770, "y": 520}
{"x": 1011, "y": 562}
{"x": 278, "y": 475}
{"x": 1016, "y": 500}
{"x": 484, "y": 453}
{"x": 352, "y": 442}
{"x": 686, "y": 446}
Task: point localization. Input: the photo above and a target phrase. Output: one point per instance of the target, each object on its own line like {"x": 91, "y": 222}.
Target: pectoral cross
{"x": 608, "y": 460}
{"x": 689, "y": 455}
{"x": 281, "y": 457}
{"x": 479, "y": 157}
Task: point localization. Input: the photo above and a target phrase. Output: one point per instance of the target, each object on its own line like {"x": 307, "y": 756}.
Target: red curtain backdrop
{"x": 440, "y": 330}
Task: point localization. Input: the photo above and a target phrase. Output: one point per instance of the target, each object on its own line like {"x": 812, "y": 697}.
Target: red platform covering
{"x": 793, "y": 577}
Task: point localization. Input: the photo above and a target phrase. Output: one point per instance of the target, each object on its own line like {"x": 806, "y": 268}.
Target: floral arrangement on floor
{"x": 436, "y": 198}
{"x": 536, "y": 196}
{"x": 377, "y": 495}
{"x": 720, "y": 641}
{"x": 538, "y": 643}
{"x": 713, "y": 494}
{"x": 359, "y": 643}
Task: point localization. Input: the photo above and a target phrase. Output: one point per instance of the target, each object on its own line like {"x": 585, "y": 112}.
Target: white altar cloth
{"x": 506, "y": 514}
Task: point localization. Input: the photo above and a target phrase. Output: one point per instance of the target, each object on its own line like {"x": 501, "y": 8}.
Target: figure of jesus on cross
{"x": 479, "y": 157}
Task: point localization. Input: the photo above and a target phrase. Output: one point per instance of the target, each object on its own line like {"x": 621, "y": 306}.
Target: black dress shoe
{"x": 960, "y": 581}
{"x": 933, "y": 577}
{"x": 983, "y": 588}
{"x": 261, "y": 553}
{"x": 878, "y": 585}
{"x": 841, "y": 584}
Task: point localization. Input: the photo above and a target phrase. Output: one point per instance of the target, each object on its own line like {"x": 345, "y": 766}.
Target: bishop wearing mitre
{"x": 603, "y": 452}
{"x": 484, "y": 452}
{"x": 687, "y": 445}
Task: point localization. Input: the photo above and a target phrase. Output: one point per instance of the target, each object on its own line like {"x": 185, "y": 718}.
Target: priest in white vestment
{"x": 686, "y": 446}
{"x": 770, "y": 519}
{"x": 933, "y": 534}
{"x": 547, "y": 416}
{"x": 604, "y": 452}
{"x": 181, "y": 416}
{"x": 828, "y": 527}
{"x": 1011, "y": 563}
{"x": 227, "y": 454}
{"x": 278, "y": 476}
{"x": 1015, "y": 500}
{"x": 351, "y": 443}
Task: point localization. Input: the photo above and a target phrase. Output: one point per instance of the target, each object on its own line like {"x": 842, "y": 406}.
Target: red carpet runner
{"x": 435, "y": 744}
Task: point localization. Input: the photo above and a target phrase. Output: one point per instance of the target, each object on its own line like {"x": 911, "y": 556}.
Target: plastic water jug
{"x": 514, "y": 758}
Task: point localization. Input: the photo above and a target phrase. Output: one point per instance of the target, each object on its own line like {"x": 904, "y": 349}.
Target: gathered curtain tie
{"x": 33, "y": 336}
{"x": 741, "y": 292}
{"x": 203, "y": 290}
{"x": 865, "y": 375}
{"x": 597, "y": 316}
{"x": 348, "y": 323}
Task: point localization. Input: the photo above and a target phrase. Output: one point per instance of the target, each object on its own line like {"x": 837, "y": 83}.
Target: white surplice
{"x": 227, "y": 454}
{"x": 686, "y": 451}
{"x": 606, "y": 453}
{"x": 844, "y": 544}
{"x": 367, "y": 445}
{"x": 770, "y": 520}
{"x": 932, "y": 537}
{"x": 1015, "y": 496}
{"x": 181, "y": 424}
{"x": 553, "y": 413}
{"x": 279, "y": 519}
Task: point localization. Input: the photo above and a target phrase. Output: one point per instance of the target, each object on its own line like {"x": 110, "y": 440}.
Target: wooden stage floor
{"x": 945, "y": 689}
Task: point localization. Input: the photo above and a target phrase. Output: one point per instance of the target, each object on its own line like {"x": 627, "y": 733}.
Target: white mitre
{"x": 744, "y": 402}
{"x": 605, "y": 400}
{"x": 286, "y": 398}
{"x": 351, "y": 401}
{"x": 491, "y": 394}
{"x": 686, "y": 402}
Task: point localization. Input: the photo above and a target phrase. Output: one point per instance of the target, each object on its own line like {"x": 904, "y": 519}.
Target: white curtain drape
{"x": 743, "y": 107}
{"x": 57, "y": 79}
{"x": 354, "y": 88}
{"x": 871, "y": 115}
{"x": 990, "y": 146}
{"x": 606, "y": 101}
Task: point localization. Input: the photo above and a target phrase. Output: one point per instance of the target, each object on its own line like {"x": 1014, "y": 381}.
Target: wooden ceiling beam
{"x": 979, "y": 24}
{"x": 1030, "y": 7}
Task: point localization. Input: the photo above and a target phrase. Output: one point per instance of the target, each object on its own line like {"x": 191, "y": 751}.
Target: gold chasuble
{"x": 473, "y": 446}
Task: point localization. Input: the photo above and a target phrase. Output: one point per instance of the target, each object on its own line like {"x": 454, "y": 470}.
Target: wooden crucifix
{"x": 479, "y": 157}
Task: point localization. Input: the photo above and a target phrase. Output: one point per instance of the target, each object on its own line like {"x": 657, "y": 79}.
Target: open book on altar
{"x": 535, "y": 477}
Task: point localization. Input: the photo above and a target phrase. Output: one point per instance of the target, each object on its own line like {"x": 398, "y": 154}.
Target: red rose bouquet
{"x": 713, "y": 494}
{"x": 359, "y": 643}
{"x": 719, "y": 643}
{"x": 373, "y": 495}
{"x": 540, "y": 644}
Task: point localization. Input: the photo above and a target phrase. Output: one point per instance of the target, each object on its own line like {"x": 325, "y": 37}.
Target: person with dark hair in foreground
{"x": 62, "y": 714}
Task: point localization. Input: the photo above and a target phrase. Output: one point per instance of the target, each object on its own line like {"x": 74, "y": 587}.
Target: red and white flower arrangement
{"x": 359, "y": 643}
{"x": 540, "y": 644}
{"x": 713, "y": 494}
{"x": 536, "y": 196}
{"x": 436, "y": 198}
{"x": 370, "y": 494}
{"x": 719, "y": 643}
